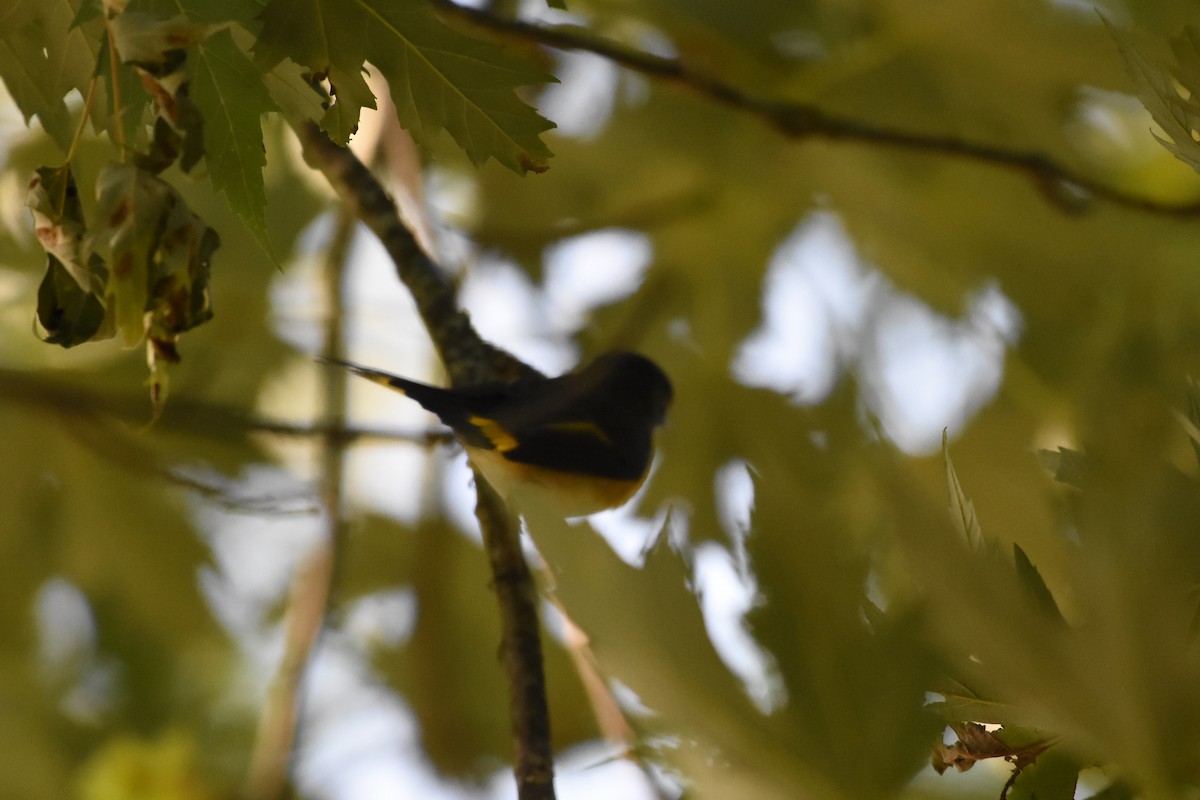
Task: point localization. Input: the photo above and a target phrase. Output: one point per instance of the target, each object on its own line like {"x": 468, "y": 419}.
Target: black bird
{"x": 575, "y": 444}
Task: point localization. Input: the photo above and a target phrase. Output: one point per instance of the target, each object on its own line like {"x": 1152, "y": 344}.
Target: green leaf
{"x": 1178, "y": 115}
{"x": 42, "y": 58}
{"x": 1191, "y": 422}
{"x": 1069, "y": 466}
{"x": 1032, "y": 580}
{"x": 69, "y": 306}
{"x": 439, "y": 78}
{"x": 229, "y": 92}
{"x": 1051, "y": 776}
{"x": 962, "y": 510}
{"x": 330, "y": 39}
{"x": 960, "y": 702}
{"x": 1114, "y": 791}
{"x": 213, "y": 12}
{"x": 292, "y": 93}
{"x": 88, "y": 11}
{"x": 351, "y": 96}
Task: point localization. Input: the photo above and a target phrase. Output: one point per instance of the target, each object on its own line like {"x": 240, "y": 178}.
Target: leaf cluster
{"x": 188, "y": 85}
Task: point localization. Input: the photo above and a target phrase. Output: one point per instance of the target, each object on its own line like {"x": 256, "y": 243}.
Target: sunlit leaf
{"x": 42, "y": 58}
{"x": 439, "y": 78}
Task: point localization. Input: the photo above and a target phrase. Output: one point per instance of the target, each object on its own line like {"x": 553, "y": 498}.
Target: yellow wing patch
{"x": 580, "y": 426}
{"x": 501, "y": 439}
{"x": 382, "y": 378}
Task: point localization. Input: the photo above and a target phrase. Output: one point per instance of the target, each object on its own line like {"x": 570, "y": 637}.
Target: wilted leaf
{"x": 180, "y": 298}
{"x": 58, "y": 221}
{"x": 69, "y": 307}
{"x": 153, "y": 40}
{"x": 69, "y": 315}
{"x": 156, "y": 50}
{"x": 975, "y": 743}
{"x": 158, "y": 254}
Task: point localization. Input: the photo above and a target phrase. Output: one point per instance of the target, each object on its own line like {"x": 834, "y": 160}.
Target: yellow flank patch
{"x": 501, "y": 439}
{"x": 567, "y": 494}
{"x": 580, "y": 426}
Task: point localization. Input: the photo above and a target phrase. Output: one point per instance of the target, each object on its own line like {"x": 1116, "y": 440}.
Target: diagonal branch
{"x": 312, "y": 588}
{"x": 467, "y": 357}
{"x": 1060, "y": 185}
{"x": 468, "y": 360}
{"x": 521, "y": 649}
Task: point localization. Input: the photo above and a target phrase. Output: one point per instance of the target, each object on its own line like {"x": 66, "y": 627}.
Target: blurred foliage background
{"x": 788, "y": 610}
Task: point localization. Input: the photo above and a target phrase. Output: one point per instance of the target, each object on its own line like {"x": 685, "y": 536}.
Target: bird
{"x": 575, "y": 445}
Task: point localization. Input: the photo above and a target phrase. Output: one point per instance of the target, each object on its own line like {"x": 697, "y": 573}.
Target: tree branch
{"x": 468, "y": 360}
{"x": 1062, "y": 186}
{"x": 185, "y": 414}
{"x": 521, "y": 646}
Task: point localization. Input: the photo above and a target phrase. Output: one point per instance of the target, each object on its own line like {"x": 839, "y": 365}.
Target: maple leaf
{"x": 439, "y": 78}
{"x": 229, "y": 92}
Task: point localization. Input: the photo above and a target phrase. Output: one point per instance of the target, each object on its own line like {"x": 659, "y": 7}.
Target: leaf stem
{"x": 114, "y": 65}
{"x": 87, "y": 108}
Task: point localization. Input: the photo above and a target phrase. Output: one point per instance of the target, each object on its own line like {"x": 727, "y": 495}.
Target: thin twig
{"x": 186, "y": 414}
{"x": 1060, "y": 185}
{"x": 312, "y": 585}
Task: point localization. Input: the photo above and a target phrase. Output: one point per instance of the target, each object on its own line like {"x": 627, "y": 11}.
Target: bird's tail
{"x": 440, "y": 401}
